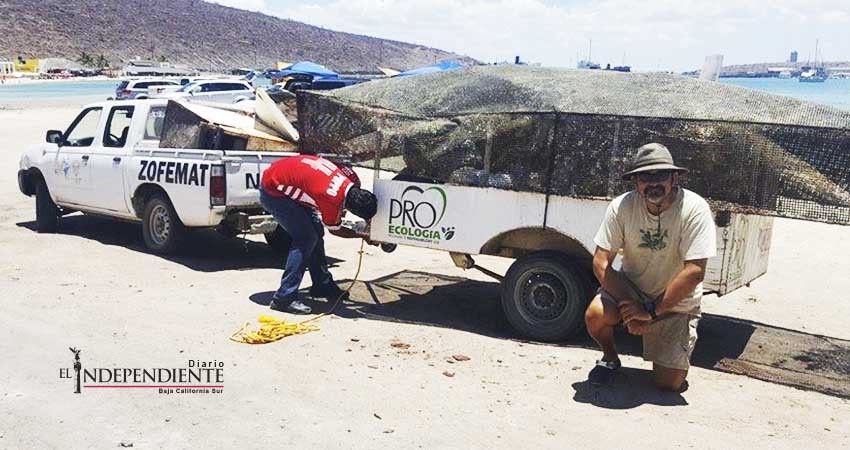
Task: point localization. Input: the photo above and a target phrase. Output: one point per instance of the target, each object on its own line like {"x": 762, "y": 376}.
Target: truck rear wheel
{"x": 46, "y": 212}
{"x": 279, "y": 240}
{"x": 162, "y": 230}
{"x": 544, "y": 297}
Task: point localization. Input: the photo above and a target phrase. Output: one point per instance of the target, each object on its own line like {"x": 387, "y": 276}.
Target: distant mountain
{"x": 192, "y": 32}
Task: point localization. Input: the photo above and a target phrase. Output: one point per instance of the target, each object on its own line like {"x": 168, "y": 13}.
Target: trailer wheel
{"x": 279, "y": 240}
{"x": 544, "y": 297}
{"x": 162, "y": 230}
{"x": 46, "y": 212}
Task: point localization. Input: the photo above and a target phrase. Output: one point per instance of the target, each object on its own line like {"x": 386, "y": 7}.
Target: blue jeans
{"x": 307, "y": 251}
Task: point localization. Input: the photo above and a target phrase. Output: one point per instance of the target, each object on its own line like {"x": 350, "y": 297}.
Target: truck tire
{"x": 162, "y": 229}
{"x": 544, "y": 297}
{"x": 46, "y": 212}
{"x": 279, "y": 240}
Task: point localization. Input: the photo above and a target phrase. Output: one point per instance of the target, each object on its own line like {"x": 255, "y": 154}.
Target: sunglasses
{"x": 654, "y": 176}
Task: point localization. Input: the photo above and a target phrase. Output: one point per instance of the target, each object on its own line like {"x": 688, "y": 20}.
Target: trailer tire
{"x": 544, "y": 297}
{"x": 162, "y": 229}
{"x": 46, "y": 212}
{"x": 279, "y": 240}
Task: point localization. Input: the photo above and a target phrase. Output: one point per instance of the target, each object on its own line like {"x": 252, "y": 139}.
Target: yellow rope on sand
{"x": 272, "y": 329}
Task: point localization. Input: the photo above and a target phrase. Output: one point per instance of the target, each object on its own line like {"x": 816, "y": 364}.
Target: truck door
{"x": 106, "y": 161}
{"x": 70, "y": 171}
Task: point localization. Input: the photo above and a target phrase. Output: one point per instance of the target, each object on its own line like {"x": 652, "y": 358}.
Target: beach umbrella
{"x": 573, "y": 132}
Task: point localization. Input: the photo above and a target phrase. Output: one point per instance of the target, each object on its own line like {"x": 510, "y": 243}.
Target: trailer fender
{"x": 523, "y": 241}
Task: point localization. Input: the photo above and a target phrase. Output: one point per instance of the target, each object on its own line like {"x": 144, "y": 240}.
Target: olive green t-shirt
{"x": 655, "y": 248}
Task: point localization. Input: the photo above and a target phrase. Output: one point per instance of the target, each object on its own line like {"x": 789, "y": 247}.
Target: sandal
{"x": 604, "y": 372}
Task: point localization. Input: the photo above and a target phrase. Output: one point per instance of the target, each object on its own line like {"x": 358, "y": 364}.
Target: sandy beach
{"x": 352, "y": 384}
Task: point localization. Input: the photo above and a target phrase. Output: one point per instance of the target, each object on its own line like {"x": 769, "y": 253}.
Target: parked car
{"x": 222, "y": 91}
{"x": 139, "y": 89}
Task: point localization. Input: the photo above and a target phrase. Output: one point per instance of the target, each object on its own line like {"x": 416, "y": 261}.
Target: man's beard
{"x": 655, "y": 194}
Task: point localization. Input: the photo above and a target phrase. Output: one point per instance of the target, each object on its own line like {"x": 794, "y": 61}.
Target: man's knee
{"x": 600, "y": 313}
{"x": 595, "y": 313}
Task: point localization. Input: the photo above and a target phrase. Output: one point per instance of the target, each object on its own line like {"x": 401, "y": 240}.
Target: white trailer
{"x": 546, "y": 290}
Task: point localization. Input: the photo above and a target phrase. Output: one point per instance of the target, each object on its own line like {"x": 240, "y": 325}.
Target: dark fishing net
{"x": 572, "y": 133}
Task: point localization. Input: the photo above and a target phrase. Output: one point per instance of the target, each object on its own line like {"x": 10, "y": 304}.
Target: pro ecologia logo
{"x": 417, "y": 215}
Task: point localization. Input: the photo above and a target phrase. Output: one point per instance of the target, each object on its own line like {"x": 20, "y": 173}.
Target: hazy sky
{"x": 666, "y": 34}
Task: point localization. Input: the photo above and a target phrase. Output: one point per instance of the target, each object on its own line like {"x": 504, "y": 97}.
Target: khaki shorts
{"x": 671, "y": 338}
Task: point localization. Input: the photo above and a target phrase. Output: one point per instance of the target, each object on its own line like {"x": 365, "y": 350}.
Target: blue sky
{"x": 648, "y": 35}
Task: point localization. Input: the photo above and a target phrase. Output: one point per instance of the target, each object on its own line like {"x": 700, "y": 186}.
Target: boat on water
{"x": 813, "y": 75}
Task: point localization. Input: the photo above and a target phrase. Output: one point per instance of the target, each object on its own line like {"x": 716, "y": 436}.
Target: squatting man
{"x": 665, "y": 235}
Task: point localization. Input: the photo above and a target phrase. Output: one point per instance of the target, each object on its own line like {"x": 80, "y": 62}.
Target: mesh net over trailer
{"x": 573, "y": 133}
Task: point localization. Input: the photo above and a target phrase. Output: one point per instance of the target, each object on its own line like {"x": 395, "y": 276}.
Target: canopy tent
{"x": 572, "y": 133}
{"x": 305, "y": 68}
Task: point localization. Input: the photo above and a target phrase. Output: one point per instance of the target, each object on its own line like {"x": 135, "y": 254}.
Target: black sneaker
{"x": 294, "y": 307}
{"x": 331, "y": 292}
{"x": 603, "y": 373}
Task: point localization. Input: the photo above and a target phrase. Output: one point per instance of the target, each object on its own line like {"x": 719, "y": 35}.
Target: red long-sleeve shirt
{"x": 312, "y": 181}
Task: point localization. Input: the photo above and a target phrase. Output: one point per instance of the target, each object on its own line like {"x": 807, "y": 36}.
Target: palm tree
{"x": 85, "y": 59}
{"x": 101, "y": 61}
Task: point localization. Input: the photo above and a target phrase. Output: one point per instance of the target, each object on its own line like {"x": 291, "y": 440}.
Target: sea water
{"x": 834, "y": 91}
{"x": 14, "y": 93}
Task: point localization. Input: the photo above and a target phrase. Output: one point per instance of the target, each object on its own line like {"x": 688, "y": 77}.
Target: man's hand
{"x": 632, "y": 311}
{"x": 638, "y": 327}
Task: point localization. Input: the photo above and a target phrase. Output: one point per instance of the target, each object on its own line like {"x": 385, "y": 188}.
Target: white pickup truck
{"x": 108, "y": 162}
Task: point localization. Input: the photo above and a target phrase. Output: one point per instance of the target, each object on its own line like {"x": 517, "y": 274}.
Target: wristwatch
{"x": 650, "y": 308}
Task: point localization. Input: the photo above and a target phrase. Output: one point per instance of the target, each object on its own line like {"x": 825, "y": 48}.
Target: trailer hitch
{"x": 465, "y": 261}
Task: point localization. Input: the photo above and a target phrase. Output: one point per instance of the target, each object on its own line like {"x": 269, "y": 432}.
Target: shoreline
{"x": 18, "y": 81}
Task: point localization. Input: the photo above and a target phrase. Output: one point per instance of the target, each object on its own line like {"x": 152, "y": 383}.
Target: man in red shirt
{"x": 296, "y": 190}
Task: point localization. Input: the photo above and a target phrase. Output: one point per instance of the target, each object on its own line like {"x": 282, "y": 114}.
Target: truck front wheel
{"x": 162, "y": 230}
{"x": 279, "y": 240}
{"x": 544, "y": 297}
{"x": 46, "y": 212}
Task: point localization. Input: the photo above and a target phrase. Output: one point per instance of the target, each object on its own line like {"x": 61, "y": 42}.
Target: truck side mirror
{"x": 54, "y": 136}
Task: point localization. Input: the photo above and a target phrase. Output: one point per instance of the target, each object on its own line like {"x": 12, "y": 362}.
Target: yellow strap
{"x": 272, "y": 329}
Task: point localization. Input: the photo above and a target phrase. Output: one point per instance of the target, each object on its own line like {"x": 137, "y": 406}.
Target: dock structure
{"x": 7, "y": 67}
